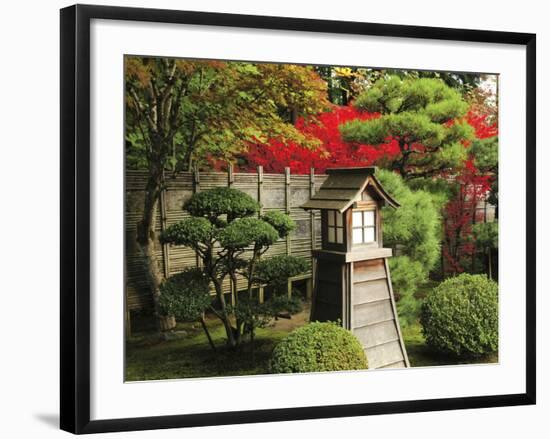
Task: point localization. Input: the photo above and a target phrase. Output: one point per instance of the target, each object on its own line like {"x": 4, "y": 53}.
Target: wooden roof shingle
{"x": 344, "y": 186}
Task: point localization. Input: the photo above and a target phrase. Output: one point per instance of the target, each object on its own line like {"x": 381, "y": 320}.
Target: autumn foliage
{"x": 333, "y": 151}
{"x": 459, "y": 216}
{"x": 471, "y": 185}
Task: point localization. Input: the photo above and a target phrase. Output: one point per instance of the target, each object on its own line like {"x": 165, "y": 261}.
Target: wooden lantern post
{"x": 352, "y": 278}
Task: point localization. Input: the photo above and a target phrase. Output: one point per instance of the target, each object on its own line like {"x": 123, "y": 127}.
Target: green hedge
{"x": 460, "y": 316}
{"x": 318, "y": 347}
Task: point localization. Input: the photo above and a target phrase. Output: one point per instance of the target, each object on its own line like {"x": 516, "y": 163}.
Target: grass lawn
{"x": 150, "y": 357}
{"x": 188, "y": 355}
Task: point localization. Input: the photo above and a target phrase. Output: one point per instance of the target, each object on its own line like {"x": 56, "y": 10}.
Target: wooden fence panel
{"x": 284, "y": 192}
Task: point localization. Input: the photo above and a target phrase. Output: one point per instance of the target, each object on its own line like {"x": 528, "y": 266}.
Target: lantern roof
{"x": 344, "y": 186}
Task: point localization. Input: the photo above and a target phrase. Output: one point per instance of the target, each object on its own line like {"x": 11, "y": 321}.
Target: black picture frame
{"x": 75, "y": 217}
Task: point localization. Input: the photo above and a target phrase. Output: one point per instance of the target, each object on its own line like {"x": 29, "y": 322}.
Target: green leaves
{"x": 244, "y": 232}
{"x": 416, "y": 225}
{"x": 423, "y": 115}
{"x": 406, "y": 275}
{"x": 218, "y": 107}
{"x": 486, "y": 235}
{"x": 279, "y": 269}
{"x": 485, "y": 154}
{"x": 190, "y": 232}
{"x": 230, "y": 240}
{"x": 318, "y": 347}
{"x": 220, "y": 201}
{"x": 185, "y": 295}
{"x": 281, "y": 222}
{"x": 385, "y": 96}
{"x": 460, "y": 316}
{"x": 414, "y": 229}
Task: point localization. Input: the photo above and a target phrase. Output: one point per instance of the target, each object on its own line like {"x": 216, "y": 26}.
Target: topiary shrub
{"x": 222, "y": 201}
{"x": 229, "y": 238}
{"x": 460, "y": 316}
{"x": 318, "y": 347}
{"x": 185, "y": 295}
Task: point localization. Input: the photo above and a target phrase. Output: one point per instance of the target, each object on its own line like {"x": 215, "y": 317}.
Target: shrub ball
{"x": 460, "y": 316}
{"x": 318, "y": 347}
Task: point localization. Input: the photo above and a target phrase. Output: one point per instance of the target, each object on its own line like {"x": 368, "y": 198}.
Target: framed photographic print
{"x": 344, "y": 210}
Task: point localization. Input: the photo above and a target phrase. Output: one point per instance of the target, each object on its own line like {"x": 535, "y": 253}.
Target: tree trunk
{"x": 207, "y": 332}
{"x": 238, "y": 322}
{"x": 146, "y": 240}
{"x": 223, "y": 316}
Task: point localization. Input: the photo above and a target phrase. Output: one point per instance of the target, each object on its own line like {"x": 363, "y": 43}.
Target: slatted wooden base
{"x": 360, "y": 295}
{"x": 373, "y": 315}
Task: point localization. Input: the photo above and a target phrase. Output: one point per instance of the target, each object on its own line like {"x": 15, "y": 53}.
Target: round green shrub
{"x": 185, "y": 295}
{"x": 222, "y": 201}
{"x": 281, "y": 222}
{"x": 460, "y": 316}
{"x": 247, "y": 231}
{"x": 318, "y": 347}
{"x": 277, "y": 269}
{"x": 189, "y": 232}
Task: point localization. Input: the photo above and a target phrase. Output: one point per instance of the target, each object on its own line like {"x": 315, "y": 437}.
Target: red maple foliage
{"x": 483, "y": 128}
{"x": 459, "y": 216}
{"x": 460, "y": 212}
{"x": 333, "y": 150}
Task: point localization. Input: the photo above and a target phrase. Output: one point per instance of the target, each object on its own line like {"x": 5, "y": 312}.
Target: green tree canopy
{"x": 485, "y": 154}
{"x": 186, "y": 111}
{"x": 413, "y": 230}
{"x": 181, "y": 113}
{"x": 414, "y": 227}
{"x": 230, "y": 238}
{"x": 424, "y": 116}
{"x": 185, "y": 295}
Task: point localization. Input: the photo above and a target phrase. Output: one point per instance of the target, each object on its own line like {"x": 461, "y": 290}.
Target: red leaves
{"x": 460, "y": 214}
{"x": 333, "y": 151}
{"x": 482, "y": 127}
{"x": 473, "y": 187}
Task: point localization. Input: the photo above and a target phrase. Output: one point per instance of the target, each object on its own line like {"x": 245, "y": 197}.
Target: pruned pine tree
{"x": 425, "y": 118}
{"x": 229, "y": 238}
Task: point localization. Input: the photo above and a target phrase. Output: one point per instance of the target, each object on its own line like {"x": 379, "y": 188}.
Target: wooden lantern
{"x": 352, "y": 279}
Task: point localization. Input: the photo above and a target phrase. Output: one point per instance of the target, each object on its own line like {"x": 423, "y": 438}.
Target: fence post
{"x": 196, "y": 189}
{"x": 163, "y": 225}
{"x": 287, "y": 211}
{"x": 230, "y": 181}
{"x": 287, "y": 207}
{"x": 309, "y": 285}
{"x": 230, "y": 175}
{"x": 260, "y": 171}
{"x": 196, "y": 180}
